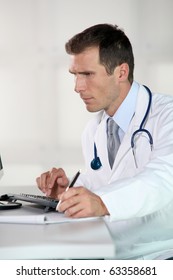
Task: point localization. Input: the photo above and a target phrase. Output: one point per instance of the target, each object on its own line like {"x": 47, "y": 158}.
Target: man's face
{"x": 97, "y": 89}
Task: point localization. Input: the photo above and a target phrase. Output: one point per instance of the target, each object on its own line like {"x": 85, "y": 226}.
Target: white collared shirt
{"x": 125, "y": 112}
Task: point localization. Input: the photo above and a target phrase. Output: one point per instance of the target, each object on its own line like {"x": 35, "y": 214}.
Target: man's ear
{"x": 123, "y": 72}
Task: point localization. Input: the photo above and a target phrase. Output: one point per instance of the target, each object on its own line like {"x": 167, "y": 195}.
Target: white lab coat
{"x": 139, "y": 200}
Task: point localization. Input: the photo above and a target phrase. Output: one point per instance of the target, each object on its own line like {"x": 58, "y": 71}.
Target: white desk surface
{"x": 88, "y": 239}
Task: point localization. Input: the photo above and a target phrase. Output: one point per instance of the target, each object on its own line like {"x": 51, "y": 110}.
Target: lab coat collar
{"x": 125, "y": 147}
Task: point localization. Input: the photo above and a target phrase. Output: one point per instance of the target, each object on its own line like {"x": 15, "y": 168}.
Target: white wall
{"x": 36, "y": 90}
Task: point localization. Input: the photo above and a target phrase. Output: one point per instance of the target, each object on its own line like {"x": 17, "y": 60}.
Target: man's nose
{"x": 80, "y": 84}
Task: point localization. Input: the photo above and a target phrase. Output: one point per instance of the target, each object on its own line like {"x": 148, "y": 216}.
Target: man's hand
{"x": 79, "y": 202}
{"x": 53, "y": 182}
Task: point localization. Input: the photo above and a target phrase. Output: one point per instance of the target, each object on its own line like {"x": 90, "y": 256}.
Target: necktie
{"x": 113, "y": 141}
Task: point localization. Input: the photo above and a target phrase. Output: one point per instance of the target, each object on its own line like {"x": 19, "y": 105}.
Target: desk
{"x": 88, "y": 239}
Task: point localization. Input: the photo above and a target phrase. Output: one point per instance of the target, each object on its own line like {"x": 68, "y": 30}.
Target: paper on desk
{"x": 47, "y": 218}
{"x": 55, "y": 217}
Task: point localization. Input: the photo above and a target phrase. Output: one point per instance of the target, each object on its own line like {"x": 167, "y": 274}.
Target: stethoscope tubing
{"x": 96, "y": 163}
{"x": 141, "y": 129}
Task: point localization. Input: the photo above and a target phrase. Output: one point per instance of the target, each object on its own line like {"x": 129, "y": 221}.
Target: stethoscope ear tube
{"x": 140, "y": 131}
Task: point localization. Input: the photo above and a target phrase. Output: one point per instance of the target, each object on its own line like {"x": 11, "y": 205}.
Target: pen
{"x": 73, "y": 180}
{"x": 70, "y": 185}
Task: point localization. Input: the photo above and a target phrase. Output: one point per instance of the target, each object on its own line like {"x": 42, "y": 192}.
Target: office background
{"x": 41, "y": 117}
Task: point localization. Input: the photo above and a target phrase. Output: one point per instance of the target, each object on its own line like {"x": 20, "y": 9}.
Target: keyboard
{"x": 45, "y": 201}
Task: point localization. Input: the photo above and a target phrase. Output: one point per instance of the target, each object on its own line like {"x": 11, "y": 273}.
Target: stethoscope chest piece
{"x": 96, "y": 163}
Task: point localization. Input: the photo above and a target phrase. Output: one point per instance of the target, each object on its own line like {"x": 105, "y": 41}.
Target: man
{"x": 132, "y": 180}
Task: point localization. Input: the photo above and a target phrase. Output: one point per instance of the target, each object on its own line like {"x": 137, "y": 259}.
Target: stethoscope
{"x": 96, "y": 162}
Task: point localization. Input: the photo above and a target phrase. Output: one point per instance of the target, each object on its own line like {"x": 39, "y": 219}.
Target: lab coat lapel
{"x": 141, "y": 106}
{"x": 124, "y": 154}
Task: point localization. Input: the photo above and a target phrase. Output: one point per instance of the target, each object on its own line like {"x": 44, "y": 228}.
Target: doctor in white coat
{"x": 136, "y": 194}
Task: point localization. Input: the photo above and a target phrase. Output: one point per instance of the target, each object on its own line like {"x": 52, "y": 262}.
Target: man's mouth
{"x": 87, "y": 99}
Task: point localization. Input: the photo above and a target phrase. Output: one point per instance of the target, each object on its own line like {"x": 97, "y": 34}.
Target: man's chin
{"x": 92, "y": 109}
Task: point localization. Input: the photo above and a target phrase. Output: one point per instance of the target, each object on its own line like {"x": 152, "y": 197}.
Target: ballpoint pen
{"x": 73, "y": 180}
{"x": 70, "y": 185}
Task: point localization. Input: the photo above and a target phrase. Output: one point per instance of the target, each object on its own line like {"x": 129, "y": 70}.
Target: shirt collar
{"x": 126, "y": 111}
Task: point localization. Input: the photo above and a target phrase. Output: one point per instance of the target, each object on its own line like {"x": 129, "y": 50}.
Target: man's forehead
{"x": 91, "y": 51}
{"x": 87, "y": 58}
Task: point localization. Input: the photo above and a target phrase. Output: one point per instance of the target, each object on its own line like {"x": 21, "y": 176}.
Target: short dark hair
{"x": 114, "y": 46}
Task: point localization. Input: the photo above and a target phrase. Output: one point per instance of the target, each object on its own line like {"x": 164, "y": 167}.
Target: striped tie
{"x": 113, "y": 141}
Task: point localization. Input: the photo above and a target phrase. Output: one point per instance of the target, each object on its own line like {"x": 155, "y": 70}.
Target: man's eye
{"x": 88, "y": 74}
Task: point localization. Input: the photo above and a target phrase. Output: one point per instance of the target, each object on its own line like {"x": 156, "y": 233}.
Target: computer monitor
{"x": 1, "y": 168}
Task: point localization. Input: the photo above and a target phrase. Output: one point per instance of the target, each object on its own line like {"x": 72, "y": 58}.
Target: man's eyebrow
{"x": 80, "y": 72}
